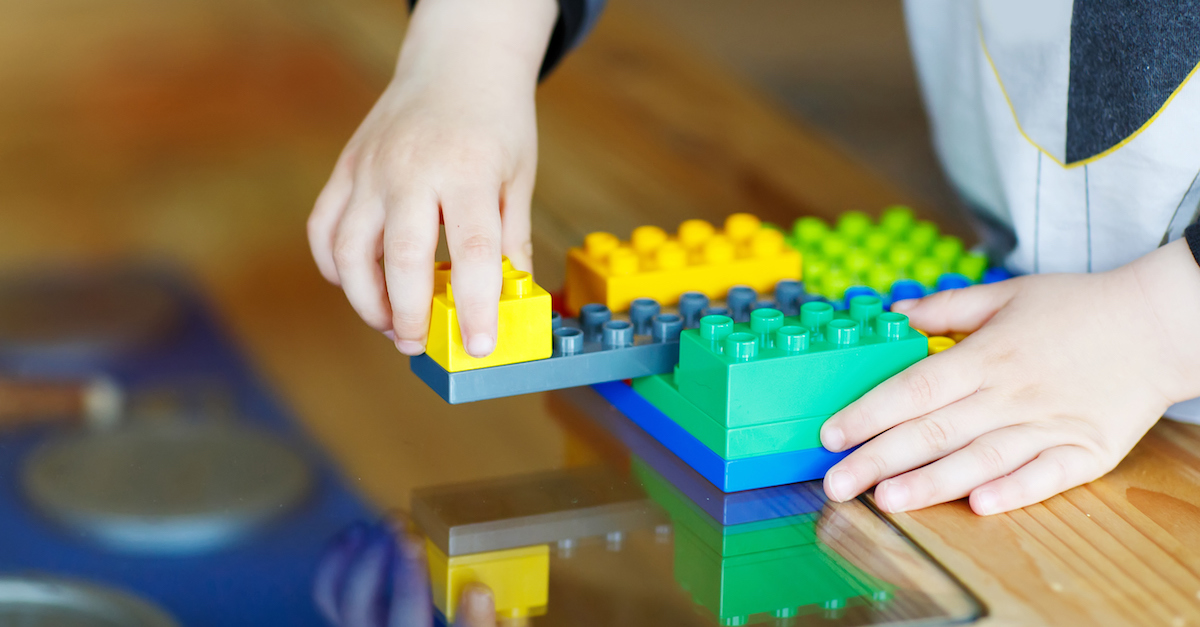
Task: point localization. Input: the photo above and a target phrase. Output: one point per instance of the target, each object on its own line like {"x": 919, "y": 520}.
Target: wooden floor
{"x": 198, "y": 132}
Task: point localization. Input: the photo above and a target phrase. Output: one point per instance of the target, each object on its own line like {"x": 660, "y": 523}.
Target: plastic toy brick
{"x": 857, "y": 252}
{"x": 697, "y": 258}
{"x": 822, "y": 359}
{"x": 524, "y": 323}
{"x": 725, "y": 508}
{"x": 731, "y": 442}
{"x": 726, "y": 540}
{"x": 592, "y": 349}
{"x": 780, "y": 583}
{"x": 519, "y": 579}
{"x": 939, "y": 343}
{"x": 530, "y": 509}
{"x": 748, "y": 473}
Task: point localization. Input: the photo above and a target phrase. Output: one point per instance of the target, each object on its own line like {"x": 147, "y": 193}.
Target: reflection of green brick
{"x": 726, "y": 540}
{"x": 775, "y": 368}
{"x": 734, "y": 442}
{"x": 784, "y": 582}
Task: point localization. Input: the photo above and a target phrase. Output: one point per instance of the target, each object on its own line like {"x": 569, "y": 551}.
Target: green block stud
{"x": 810, "y": 366}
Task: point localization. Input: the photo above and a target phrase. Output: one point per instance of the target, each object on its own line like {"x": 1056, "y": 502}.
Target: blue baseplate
{"x": 746, "y": 473}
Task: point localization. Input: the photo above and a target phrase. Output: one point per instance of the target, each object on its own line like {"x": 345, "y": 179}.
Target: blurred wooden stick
{"x": 95, "y": 403}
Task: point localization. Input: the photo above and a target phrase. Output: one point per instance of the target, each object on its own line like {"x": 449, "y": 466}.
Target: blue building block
{"x": 727, "y": 475}
{"x": 995, "y": 275}
{"x": 727, "y": 508}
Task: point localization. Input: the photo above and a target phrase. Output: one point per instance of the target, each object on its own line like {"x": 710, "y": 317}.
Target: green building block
{"x": 732, "y": 442}
{"x": 836, "y": 258}
{"x": 788, "y": 368}
{"x": 780, "y": 583}
{"x": 725, "y": 540}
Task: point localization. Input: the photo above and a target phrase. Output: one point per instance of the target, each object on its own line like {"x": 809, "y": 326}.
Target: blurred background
{"x": 190, "y": 138}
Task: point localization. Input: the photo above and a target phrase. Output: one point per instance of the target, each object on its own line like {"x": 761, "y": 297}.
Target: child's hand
{"x": 454, "y": 135}
{"x": 1061, "y": 376}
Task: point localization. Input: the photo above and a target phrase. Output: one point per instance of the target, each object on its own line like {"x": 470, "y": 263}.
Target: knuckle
{"x": 922, "y": 386}
{"x": 876, "y": 467}
{"x": 346, "y": 253}
{"x": 407, "y": 253}
{"x": 934, "y": 433}
{"x": 477, "y": 247}
{"x": 989, "y": 457}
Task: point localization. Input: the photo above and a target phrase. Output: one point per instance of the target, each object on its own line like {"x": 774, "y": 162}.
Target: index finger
{"x": 926, "y": 386}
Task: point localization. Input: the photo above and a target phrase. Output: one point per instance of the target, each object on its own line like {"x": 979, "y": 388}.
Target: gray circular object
{"x": 179, "y": 488}
{"x": 52, "y": 602}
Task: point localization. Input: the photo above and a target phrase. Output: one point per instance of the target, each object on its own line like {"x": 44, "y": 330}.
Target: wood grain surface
{"x": 197, "y": 134}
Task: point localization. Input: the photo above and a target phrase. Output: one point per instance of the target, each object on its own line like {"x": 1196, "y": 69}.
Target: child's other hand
{"x": 1061, "y": 376}
{"x": 454, "y": 135}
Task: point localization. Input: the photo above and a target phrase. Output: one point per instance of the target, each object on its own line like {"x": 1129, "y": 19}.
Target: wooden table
{"x": 200, "y": 131}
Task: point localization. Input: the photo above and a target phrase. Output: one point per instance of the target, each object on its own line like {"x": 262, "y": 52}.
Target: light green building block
{"x": 732, "y": 442}
{"x": 788, "y": 368}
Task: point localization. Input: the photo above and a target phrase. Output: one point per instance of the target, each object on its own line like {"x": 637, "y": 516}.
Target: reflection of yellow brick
{"x": 697, "y": 258}
{"x": 524, "y": 331}
{"x": 519, "y": 579}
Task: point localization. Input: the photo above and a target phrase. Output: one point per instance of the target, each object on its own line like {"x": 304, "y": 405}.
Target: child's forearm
{"x": 500, "y": 39}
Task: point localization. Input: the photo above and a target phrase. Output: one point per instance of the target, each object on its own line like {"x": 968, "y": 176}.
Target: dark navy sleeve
{"x": 1192, "y": 235}
{"x": 575, "y": 19}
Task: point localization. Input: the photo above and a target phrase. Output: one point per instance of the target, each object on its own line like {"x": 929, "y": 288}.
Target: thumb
{"x": 957, "y": 311}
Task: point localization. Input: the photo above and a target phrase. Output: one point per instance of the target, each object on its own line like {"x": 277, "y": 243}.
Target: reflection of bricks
{"x": 519, "y": 579}
{"x": 660, "y": 266}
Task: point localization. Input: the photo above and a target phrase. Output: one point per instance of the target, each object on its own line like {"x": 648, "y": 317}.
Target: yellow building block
{"x": 519, "y": 579}
{"x": 524, "y": 331}
{"x": 660, "y": 266}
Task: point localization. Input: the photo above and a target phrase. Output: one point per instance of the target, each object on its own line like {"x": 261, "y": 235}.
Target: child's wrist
{"x": 502, "y": 40}
{"x": 1169, "y": 281}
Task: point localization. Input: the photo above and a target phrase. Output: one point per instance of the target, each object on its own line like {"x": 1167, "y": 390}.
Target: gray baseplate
{"x": 596, "y": 348}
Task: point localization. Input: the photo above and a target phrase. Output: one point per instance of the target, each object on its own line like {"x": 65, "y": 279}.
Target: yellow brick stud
{"x": 939, "y": 343}
{"x": 740, "y": 227}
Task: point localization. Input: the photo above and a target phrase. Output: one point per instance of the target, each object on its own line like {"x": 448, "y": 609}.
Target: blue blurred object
{"x": 905, "y": 289}
{"x": 952, "y": 281}
{"x": 264, "y": 580}
{"x": 995, "y": 275}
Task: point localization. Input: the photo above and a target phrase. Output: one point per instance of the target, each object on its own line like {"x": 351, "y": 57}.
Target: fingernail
{"x": 894, "y": 497}
{"x": 833, "y": 439}
{"x": 409, "y": 347}
{"x": 481, "y": 345}
{"x": 904, "y": 305}
{"x": 840, "y": 484}
{"x": 390, "y": 334}
{"x": 985, "y": 502}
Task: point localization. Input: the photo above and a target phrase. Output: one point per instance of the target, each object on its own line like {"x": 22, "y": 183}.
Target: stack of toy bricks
{"x": 756, "y": 393}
